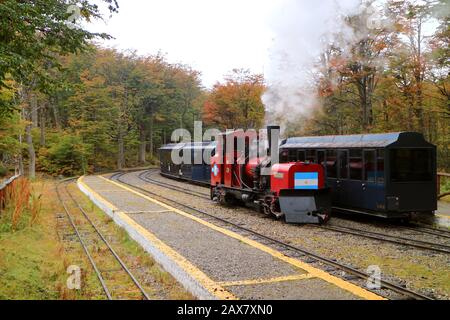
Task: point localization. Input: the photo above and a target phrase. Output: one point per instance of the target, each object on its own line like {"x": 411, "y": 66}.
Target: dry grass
{"x": 17, "y": 205}
{"x": 34, "y": 260}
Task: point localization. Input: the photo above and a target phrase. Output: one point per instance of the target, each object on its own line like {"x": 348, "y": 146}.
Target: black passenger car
{"x": 389, "y": 175}
{"x": 196, "y": 170}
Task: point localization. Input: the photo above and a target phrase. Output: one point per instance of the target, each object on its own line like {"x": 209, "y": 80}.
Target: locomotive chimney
{"x": 273, "y": 132}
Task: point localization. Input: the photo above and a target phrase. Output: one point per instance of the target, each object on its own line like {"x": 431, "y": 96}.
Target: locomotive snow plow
{"x": 305, "y": 206}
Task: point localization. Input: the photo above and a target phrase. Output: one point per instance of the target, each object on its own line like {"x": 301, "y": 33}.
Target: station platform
{"x": 209, "y": 261}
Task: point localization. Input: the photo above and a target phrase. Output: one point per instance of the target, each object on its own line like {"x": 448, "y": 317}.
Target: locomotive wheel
{"x": 324, "y": 218}
{"x": 226, "y": 199}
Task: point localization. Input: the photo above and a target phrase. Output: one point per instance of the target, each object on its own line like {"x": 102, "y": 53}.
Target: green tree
{"x": 34, "y": 31}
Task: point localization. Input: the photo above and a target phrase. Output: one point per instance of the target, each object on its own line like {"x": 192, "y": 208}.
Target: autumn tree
{"x": 237, "y": 102}
{"x": 32, "y": 36}
{"x": 394, "y": 76}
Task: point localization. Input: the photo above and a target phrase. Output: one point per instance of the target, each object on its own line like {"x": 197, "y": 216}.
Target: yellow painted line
{"x": 266, "y": 281}
{"x": 213, "y": 287}
{"x": 356, "y": 290}
{"x": 145, "y": 212}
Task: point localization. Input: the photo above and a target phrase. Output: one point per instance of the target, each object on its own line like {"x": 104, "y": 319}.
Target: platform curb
{"x": 185, "y": 279}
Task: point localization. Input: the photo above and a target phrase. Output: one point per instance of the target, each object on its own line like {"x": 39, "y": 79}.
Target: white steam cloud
{"x": 302, "y": 29}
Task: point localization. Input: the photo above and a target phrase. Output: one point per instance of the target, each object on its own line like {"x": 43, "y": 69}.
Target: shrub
{"x": 3, "y": 171}
{"x": 66, "y": 156}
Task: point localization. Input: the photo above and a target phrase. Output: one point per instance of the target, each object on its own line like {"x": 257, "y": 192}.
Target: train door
{"x": 372, "y": 193}
{"x": 343, "y": 183}
{"x": 332, "y": 171}
{"x": 356, "y": 182}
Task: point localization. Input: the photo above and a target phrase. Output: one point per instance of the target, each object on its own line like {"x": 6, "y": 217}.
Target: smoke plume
{"x": 302, "y": 30}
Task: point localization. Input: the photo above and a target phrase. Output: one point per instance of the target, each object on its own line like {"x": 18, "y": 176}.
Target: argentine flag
{"x": 307, "y": 181}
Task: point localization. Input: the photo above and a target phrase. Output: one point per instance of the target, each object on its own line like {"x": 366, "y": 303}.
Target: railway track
{"x": 419, "y": 244}
{"x": 433, "y": 231}
{"x": 389, "y": 289}
{"x": 431, "y": 246}
{"x": 98, "y": 250}
{"x": 145, "y": 176}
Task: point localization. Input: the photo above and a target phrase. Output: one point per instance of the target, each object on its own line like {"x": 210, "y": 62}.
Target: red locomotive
{"x": 294, "y": 190}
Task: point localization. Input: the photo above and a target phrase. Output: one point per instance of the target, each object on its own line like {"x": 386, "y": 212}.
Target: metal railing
{"x": 3, "y": 189}
{"x": 440, "y": 177}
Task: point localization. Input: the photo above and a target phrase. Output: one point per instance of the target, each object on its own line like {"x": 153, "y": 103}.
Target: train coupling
{"x": 306, "y": 206}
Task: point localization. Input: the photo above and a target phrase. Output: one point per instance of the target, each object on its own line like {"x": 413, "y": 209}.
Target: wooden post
{"x": 438, "y": 185}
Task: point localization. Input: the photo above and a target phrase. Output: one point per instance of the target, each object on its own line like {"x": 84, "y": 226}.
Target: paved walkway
{"x": 210, "y": 261}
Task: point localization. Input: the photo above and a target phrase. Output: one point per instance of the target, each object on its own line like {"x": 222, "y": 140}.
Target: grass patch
{"x": 33, "y": 261}
{"x": 30, "y": 254}
{"x": 422, "y": 272}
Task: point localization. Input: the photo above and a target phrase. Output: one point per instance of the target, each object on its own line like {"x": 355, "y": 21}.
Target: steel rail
{"x": 362, "y": 275}
{"x": 110, "y": 248}
{"x": 393, "y": 239}
{"x": 83, "y": 244}
{"x": 432, "y": 231}
{"x": 145, "y": 177}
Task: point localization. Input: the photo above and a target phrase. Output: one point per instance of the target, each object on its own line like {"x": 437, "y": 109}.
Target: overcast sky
{"x": 213, "y": 36}
{"x": 216, "y": 36}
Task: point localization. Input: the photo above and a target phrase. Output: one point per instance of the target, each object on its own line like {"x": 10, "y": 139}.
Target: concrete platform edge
{"x": 186, "y": 280}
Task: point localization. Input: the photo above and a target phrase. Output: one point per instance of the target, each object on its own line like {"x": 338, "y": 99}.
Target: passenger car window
{"x": 370, "y": 170}
{"x": 321, "y": 158}
{"x": 332, "y": 164}
{"x": 284, "y": 156}
{"x": 343, "y": 164}
{"x": 411, "y": 165}
{"x": 301, "y": 155}
{"x": 311, "y": 156}
{"x": 292, "y": 155}
{"x": 356, "y": 165}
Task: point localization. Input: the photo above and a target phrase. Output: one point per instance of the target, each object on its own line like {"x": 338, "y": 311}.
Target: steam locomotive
{"x": 294, "y": 190}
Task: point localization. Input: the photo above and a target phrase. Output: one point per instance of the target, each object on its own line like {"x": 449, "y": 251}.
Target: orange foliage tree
{"x": 237, "y": 103}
